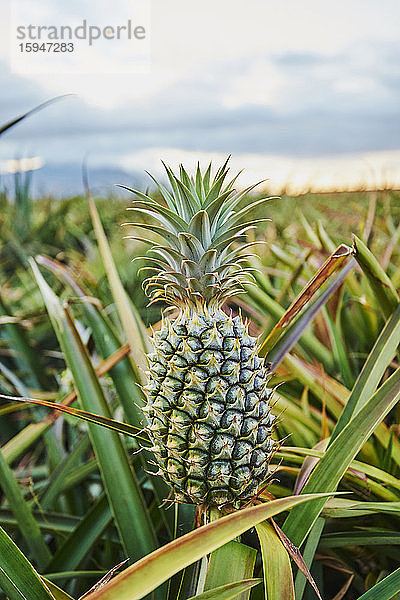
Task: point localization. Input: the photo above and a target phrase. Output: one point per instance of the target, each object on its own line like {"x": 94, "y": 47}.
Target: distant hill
{"x": 66, "y": 180}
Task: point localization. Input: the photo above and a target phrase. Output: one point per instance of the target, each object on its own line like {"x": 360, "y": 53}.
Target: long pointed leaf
{"x": 308, "y": 556}
{"x": 18, "y": 578}
{"x": 26, "y": 522}
{"x": 373, "y": 370}
{"x": 89, "y": 417}
{"x": 148, "y": 573}
{"x": 79, "y": 542}
{"x": 32, "y": 432}
{"x": 126, "y": 500}
{"x": 387, "y": 589}
{"x": 122, "y": 373}
{"x": 14, "y": 122}
{"x": 336, "y": 460}
{"x": 292, "y": 334}
{"x": 329, "y": 266}
{"x": 134, "y": 329}
{"x": 380, "y": 283}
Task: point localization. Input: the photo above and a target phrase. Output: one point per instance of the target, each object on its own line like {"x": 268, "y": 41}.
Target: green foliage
{"x": 78, "y": 499}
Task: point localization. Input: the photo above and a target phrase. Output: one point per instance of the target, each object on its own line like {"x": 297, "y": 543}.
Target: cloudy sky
{"x": 291, "y": 89}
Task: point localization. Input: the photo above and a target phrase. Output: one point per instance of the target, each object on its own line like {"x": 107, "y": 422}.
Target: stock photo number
{"x": 46, "y": 47}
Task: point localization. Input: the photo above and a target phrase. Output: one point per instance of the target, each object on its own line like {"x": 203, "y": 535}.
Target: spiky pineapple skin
{"x": 208, "y": 413}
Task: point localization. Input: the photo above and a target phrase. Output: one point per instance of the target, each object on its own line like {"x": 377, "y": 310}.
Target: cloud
{"x": 294, "y": 103}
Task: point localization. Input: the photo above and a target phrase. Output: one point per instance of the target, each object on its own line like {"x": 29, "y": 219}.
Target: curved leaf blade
{"x": 373, "y": 370}
{"x": 336, "y": 460}
{"x": 84, "y": 415}
{"x": 18, "y": 578}
{"x": 23, "y": 514}
{"x": 126, "y": 499}
{"x": 379, "y": 281}
{"x": 13, "y": 122}
{"x": 152, "y": 570}
{"x": 387, "y": 589}
{"x": 133, "y": 326}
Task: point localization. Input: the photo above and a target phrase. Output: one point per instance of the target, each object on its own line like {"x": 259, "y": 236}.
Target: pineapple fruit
{"x": 207, "y": 409}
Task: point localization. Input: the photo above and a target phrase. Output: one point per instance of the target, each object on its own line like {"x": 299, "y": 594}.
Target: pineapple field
{"x": 202, "y": 403}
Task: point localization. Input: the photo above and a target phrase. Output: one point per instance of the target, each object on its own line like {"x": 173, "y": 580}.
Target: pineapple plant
{"x": 207, "y": 397}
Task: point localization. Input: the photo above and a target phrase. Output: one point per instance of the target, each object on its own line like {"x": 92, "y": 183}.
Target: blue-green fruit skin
{"x": 207, "y": 410}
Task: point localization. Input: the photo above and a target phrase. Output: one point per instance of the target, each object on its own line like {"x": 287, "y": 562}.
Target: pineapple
{"x": 207, "y": 409}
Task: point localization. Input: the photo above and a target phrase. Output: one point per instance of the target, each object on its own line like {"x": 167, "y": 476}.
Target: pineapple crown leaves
{"x": 201, "y": 260}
